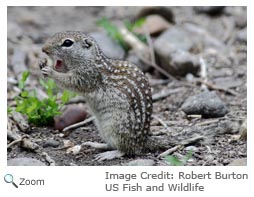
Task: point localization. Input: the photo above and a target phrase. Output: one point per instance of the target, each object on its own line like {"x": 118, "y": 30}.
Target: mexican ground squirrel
{"x": 116, "y": 91}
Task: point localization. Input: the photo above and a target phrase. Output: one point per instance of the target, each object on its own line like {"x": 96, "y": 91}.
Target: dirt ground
{"x": 28, "y": 28}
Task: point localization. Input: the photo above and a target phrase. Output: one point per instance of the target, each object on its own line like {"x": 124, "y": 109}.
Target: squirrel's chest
{"x": 105, "y": 102}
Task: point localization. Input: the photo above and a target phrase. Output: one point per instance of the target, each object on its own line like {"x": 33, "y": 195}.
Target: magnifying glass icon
{"x": 8, "y": 178}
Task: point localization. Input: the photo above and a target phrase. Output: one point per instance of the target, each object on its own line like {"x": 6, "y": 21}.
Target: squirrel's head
{"x": 70, "y": 49}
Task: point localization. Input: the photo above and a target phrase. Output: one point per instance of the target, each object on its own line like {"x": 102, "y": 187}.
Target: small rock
{"x": 72, "y": 114}
{"x": 51, "y": 142}
{"x": 24, "y": 161}
{"x": 177, "y": 48}
{"x": 191, "y": 148}
{"x": 141, "y": 162}
{"x": 153, "y": 24}
{"x": 243, "y": 130}
{"x": 108, "y": 46}
{"x": 210, "y": 10}
{"x": 74, "y": 150}
{"x": 225, "y": 161}
{"x": 209, "y": 158}
{"x": 165, "y": 12}
{"x": 135, "y": 60}
{"x": 208, "y": 104}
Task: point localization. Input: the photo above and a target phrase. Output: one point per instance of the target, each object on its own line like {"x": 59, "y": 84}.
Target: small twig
{"x": 14, "y": 142}
{"x": 192, "y": 140}
{"x": 215, "y": 87}
{"x": 207, "y": 122}
{"x": 162, "y": 123}
{"x": 199, "y": 116}
{"x": 12, "y": 135}
{"x": 203, "y": 72}
{"x": 169, "y": 151}
{"x": 165, "y": 93}
{"x": 79, "y": 124}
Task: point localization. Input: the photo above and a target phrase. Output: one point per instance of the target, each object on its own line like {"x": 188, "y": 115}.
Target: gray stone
{"x": 177, "y": 48}
{"x": 192, "y": 148}
{"x": 51, "y": 143}
{"x": 24, "y": 161}
{"x": 238, "y": 162}
{"x": 208, "y": 104}
{"x": 108, "y": 46}
{"x": 141, "y": 162}
{"x": 209, "y": 158}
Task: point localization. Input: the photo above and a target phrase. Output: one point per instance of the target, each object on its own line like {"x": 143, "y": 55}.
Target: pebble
{"x": 51, "y": 143}
{"x": 191, "y": 148}
{"x": 72, "y": 114}
{"x": 108, "y": 46}
{"x": 209, "y": 158}
{"x": 208, "y": 104}
{"x": 165, "y": 12}
{"x": 24, "y": 161}
{"x": 153, "y": 24}
{"x": 141, "y": 162}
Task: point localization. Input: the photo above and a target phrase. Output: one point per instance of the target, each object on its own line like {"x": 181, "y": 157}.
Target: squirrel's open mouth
{"x": 58, "y": 65}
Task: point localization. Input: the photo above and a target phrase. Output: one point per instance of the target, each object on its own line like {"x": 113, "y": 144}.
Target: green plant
{"x": 40, "y": 112}
{"x": 114, "y": 33}
{"x": 174, "y": 161}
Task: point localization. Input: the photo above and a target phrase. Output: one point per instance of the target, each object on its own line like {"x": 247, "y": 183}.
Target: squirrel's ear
{"x": 87, "y": 43}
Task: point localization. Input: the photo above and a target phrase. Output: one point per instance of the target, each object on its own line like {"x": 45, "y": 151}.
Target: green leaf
{"x": 65, "y": 96}
{"x": 139, "y": 23}
{"x": 173, "y": 160}
{"x": 21, "y": 83}
{"x": 9, "y": 110}
{"x": 24, "y": 94}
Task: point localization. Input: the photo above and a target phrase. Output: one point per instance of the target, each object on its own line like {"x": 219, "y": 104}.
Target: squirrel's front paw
{"x": 43, "y": 63}
{"x": 47, "y": 71}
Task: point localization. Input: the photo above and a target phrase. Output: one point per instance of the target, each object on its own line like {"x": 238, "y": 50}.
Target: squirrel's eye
{"x": 87, "y": 43}
{"x": 67, "y": 43}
